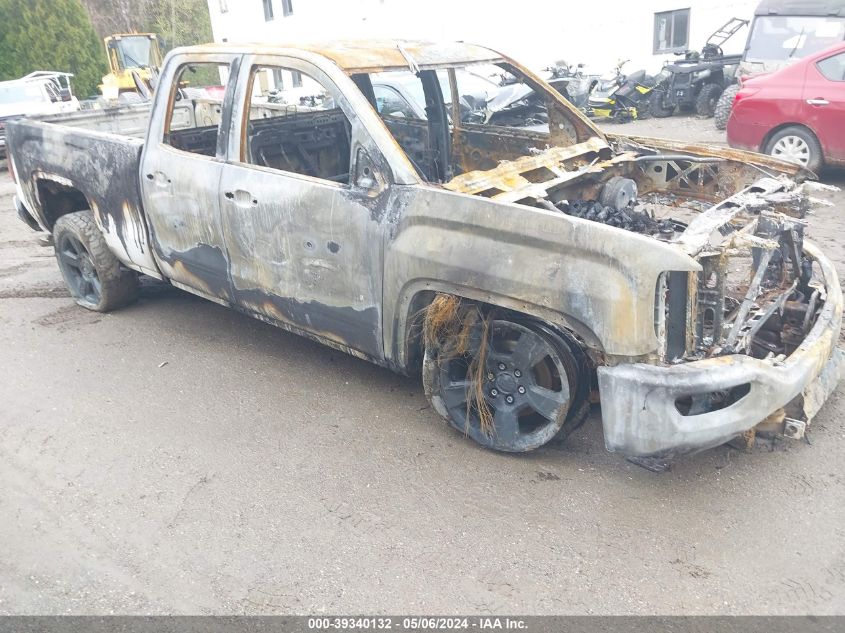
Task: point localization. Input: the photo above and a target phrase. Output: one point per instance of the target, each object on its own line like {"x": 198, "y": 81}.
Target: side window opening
{"x": 391, "y": 103}
{"x": 301, "y": 129}
{"x": 193, "y": 121}
{"x": 833, "y": 68}
{"x": 502, "y": 115}
{"x": 400, "y": 100}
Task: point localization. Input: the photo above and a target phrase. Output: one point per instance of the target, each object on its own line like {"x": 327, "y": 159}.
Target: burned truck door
{"x": 180, "y": 173}
{"x": 305, "y": 245}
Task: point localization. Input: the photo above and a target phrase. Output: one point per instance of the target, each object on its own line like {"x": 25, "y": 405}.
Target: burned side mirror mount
{"x": 368, "y": 177}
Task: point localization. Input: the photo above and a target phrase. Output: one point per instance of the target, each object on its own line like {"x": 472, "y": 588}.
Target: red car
{"x": 797, "y": 113}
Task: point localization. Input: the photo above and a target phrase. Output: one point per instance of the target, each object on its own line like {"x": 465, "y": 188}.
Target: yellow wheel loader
{"x": 132, "y": 57}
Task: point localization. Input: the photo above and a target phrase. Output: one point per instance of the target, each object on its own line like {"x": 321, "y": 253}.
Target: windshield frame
{"x": 127, "y": 41}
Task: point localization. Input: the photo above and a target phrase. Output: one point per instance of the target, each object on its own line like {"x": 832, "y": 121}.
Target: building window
{"x": 671, "y": 31}
{"x": 268, "y": 10}
{"x": 224, "y": 6}
{"x": 278, "y": 79}
{"x": 296, "y": 78}
{"x": 287, "y": 7}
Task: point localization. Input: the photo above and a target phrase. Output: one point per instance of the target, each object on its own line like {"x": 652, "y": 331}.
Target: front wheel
{"x": 658, "y": 104}
{"x": 705, "y": 103}
{"x": 516, "y": 386}
{"x": 92, "y": 274}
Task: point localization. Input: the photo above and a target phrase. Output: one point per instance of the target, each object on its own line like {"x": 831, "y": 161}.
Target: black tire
{"x": 644, "y": 109}
{"x": 801, "y": 144}
{"x": 705, "y": 103}
{"x": 657, "y": 104}
{"x": 722, "y": 111}
{"x": 531, "y": 403}
{"x": 92, "y": 274}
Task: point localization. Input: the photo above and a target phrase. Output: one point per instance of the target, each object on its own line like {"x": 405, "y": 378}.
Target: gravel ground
{"x": 176, "y": 457}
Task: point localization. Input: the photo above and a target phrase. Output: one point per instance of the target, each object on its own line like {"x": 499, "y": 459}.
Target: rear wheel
{"x": 516, "y": 392}
{"x": 705, "y": 103}
{"x": 798, "y": 145}
{"x": 658, "y": 104}
{"x": 92, "y": 274}
{"x": 722, "y": 111}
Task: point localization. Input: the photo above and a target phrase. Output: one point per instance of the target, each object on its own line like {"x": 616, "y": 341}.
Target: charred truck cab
{"x": 517, "y": 264}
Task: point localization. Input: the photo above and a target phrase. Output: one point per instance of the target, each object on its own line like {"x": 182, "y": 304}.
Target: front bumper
{"x": 638, "y": 401}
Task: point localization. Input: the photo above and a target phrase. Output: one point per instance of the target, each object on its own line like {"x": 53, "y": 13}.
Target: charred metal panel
{"x": 181, "y": 194}
{"x": 476, "y": 147}
{"x": 306, "y": 249}
{"x": 181, "y": 190}
{"x": 598, "y": 280}
{"x": 677, "y": 325}
{"x": 103, "y": 167}
{"x": 533, "y": 177}
{"x": 305, "y": 252}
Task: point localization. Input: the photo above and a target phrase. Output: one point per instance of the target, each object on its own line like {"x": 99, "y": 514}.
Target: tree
{"x": 176, "y": 22}
{"x": 50, "y": 35}
{"x": 179, "y": 22}
{"x": 116, "y": 16}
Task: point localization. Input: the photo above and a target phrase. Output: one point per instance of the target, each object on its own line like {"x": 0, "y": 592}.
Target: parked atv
{"x": 697, "y": 82}
{"x": 621, "y": 97}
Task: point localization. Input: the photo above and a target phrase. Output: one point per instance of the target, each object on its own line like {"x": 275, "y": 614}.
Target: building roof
{"x": 355, "y": 56}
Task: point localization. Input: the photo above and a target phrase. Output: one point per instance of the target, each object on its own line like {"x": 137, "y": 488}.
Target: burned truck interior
{"x": 464, "y": 125}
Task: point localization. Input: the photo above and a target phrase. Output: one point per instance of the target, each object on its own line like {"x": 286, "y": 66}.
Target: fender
{"x": 598, "y": 281}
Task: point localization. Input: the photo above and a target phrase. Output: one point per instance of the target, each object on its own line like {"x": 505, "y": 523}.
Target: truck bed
{"x": 97, "y": 156}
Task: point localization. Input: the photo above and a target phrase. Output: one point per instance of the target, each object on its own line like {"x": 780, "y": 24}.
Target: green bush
{"x": 50, "y": 35}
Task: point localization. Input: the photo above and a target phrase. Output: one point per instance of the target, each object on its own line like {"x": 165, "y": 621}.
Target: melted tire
{"x": 580, "y": 387}
{"x": 114, "y": 287}
{"x": 574, "y": 370}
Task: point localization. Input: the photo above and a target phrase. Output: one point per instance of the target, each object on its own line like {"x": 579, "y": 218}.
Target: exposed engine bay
{"x": 742, "y": 223}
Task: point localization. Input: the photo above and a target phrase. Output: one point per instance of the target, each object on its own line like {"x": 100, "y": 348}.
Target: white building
{"x": 536, "y": 32}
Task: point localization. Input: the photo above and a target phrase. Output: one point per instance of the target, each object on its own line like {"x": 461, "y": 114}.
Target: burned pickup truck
{"x": 520, "y": 271}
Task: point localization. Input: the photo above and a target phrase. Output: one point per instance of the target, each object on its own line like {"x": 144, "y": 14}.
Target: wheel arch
{"x": 407, "y": 344}
{"x": 58, "y": 196}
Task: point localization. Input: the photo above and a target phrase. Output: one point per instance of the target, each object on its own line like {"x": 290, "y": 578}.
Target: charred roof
{"x": 355, "y": 56}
